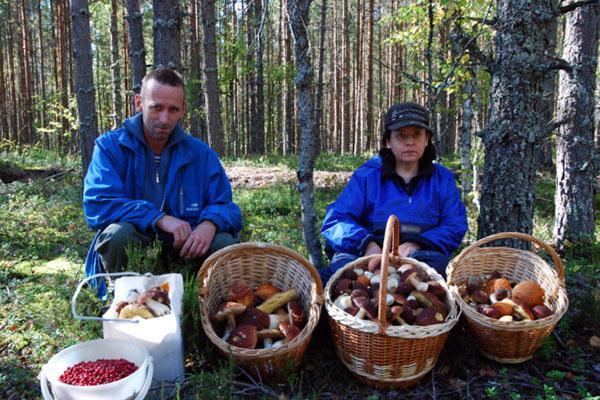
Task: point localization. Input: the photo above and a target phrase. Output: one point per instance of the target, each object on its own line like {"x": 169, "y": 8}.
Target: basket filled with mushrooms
{"x": 389, "y": 316}
{"x": 511, "y": 299}
{"x": 260, "y": 304}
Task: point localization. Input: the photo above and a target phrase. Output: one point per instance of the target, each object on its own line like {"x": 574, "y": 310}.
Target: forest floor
{"x": 44, "y": 239}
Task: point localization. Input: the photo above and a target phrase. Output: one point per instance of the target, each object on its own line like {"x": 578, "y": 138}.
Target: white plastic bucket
{"x": 134, "y": 386}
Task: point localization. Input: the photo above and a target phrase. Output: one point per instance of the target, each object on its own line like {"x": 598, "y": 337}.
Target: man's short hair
{"x": 165, "y": 76}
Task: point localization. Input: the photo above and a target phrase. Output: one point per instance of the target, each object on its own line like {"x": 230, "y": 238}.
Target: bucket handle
{"x": 84, "y": 281}
{"x": 140, "y": 396}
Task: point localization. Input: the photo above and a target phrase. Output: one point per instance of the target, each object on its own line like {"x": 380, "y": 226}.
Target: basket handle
{"x": 391, "y": 242}
{"x": 560, "y": 268}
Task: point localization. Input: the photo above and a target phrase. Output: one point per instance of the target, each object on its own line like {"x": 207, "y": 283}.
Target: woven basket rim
{"x": 259, "y": 355}
{"x": 400, "y": 331}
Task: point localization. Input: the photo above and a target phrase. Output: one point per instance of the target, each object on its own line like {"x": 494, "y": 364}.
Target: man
{"x": 150, "y": 179}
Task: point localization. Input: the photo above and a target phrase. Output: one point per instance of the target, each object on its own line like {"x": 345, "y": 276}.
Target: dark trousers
{"x": 434, "y": 259}
{"x": 114, "y": 239}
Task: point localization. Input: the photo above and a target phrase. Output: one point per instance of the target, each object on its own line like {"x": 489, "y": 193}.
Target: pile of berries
{"x": 91, "y": 373}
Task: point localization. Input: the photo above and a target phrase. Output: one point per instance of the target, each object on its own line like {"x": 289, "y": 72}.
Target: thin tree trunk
{"x": 346, "y": 129}
{"x": 299, "y": 17}
{"x": 26, "y": 78}
{"x": 197, "y": 123}
{"x": 211, "y": 79}
{"x": 4, "y": 133}
{"x": 319, "y": 99}
{"x": 358, "y": 79}
{"x": 369, "y": 100}
{"x": 466, "y": 129}
{"x": 42, "y": 61}
{"x": 115, "y": 67}
{"x": 288, "y": 91}
{"x": 515, "y": 128}
{"x": 258, "y": 138}
{"x": 15, "y": 123}
{"x": 86, "y": 107}
{"x": 128, "y": 95}
{"x": 575, "y": 166}
{"x": 62, "y": 72}
{"x": 137, "y": 50}
{"x": 167, "y": 26}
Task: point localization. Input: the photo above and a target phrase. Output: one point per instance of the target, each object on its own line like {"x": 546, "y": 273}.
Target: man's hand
{"x": 372, "y": 248}
{"x": 180, "y": 229}
{"x": 407, "y": 248}
{"x": 198, "y": 243}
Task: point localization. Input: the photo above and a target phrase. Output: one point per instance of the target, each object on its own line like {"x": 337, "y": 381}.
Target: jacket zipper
{"x": 180, "y": 200}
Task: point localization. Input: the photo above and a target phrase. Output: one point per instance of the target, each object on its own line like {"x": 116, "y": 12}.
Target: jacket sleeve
{"x": 219, "y": 207}
{"x": 104, "y": 197}
{"x": 448, "y": 235}
{"x": 341, "y": 227}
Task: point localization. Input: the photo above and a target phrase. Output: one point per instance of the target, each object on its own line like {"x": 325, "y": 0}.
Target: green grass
{"x": 44, "y": 239}
{"x": 324, "y": 161}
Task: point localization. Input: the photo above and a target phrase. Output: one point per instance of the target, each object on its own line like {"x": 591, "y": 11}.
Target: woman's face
{"x": 408, "y": 144}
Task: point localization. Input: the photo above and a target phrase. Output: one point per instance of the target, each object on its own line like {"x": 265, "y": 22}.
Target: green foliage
{"x": 324, "y": 161}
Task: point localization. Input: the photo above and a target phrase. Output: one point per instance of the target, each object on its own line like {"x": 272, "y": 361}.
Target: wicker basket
{"x": 510, "y": 342}
{"x": 257, "y": 263}
{"x": 376, "y": 352}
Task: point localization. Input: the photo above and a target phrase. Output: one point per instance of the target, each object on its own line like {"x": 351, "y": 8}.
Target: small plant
{"x": 491, "y": 392}
{"x": 556, "y": 375}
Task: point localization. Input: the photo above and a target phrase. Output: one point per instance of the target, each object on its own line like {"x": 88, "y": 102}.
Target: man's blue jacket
{"x": 196, "y": 188}
{"x": 432, "y": 215}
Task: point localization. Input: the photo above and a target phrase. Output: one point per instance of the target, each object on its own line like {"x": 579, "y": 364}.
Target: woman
{"x": 402, "y": 180}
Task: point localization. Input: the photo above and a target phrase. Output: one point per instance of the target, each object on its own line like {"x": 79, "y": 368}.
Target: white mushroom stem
{"x": 419, "y": 285}
{"x": 392, "y": 284}
{"x": 389, "y": 299}
{"x": 404, "y": 267}
{"x": 344, "y": 301}
{"x": 268, "y": 343}
{"x": 158, "y": 309}
{"x": 359, "y": 271}
{"x": 229, "y": 328}
{"x": 276, "y": 319}
{"x": 361, "y": 313}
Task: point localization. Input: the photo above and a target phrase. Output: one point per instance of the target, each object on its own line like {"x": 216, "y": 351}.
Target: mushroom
{"x": 396, "y": 312}
{"x": 435, "y": 288}
{"x": 266, "y": 290}
{"x": 529, "y": 293}
{"x": 344, "y": 285}
{"x": 404, "y": 267}
{"x": 253, "y": 316}
{"x": 296, "y": 313}
{"x": 158, "y": 309}
{"x": 488, "y": 311}
{"x": 392, "y": 284}
{"x": 498, "y": 295}
{"x": 120, "y": 306}
{"x": 520, "y": 310}
{"x": 158, "y": 294}
{"x": 365, "y": 308}
{"x": 276, "y": 319}
{"x": 411, "y": 277}
{"x": 228, "y": 311}
{"x": 429, "y": 316}
{"x": 374, "y": 264}
{"x": 241, "y": 293}
{"x": 135, "y": 310}
{"x": 362, "y": 280}
{"x": 541, "y": 311}
{"x": 430, "y": 300}
{"x": 244, "y": 336}
{"x": 404, "y": 288}
{"x": 506, "y": 318}
{"x": 492, "y": 285}
{"x": 359, "y": 271}
{"x": 267, "y": 336}
{"x": 277, "y": 300}
{"x": 503, "y": 308}
{"x": 352, "y": 310}
{"x": 344, "y": 301}
{"x": 349, "y": 274}
{"x": 289, "y": 331}
{"x": 479, "y": 297}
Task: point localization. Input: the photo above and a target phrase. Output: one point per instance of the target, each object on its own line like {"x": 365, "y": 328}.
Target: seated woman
{"x": 402, "y": 180}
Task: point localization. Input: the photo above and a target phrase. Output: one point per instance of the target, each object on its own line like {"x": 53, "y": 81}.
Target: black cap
{"x": 407, "y": 114}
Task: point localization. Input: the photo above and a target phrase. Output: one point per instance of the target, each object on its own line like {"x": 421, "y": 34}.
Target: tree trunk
{"x": 575, "y": 156}
{"x": 466, "y": 176}
{"x": 369, "y": 99}
{"x": 258, "y": 128}
{"x": 288, "y": 91}
{"x": 62, "y": 72}
{"x": 319, "y": 98}
{"x": 86, "y": 107}
{"x": 42, "y": 71}
{"x": 115, "y": 67}
{"x": 137, "y": 50}
{"x": 167, "y": 25}
{"x": 197, "y": 123}
{"x": 346, "y": 131}
{"x": 4, "y": 128}
{"x": 299, "y": 17}
{"x": 515, "y": 128}
{"x": 211, "y": 79}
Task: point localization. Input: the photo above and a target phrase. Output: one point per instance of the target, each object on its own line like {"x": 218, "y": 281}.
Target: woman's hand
{"x": 372, "y": 248}
{"x": 407, "y": 248}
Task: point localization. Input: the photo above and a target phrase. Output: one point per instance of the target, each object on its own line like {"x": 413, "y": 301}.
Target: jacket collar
{"x": 134, "y": 137}
{"x": 388, "y": 169}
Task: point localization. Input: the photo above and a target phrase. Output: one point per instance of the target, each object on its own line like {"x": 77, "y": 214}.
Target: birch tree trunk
{"x": 137, "y": 50}
{"x": 466, "y": 128}
{"x": 515, "y": 128}
{"x": 211, "y": 79}
{"x": 86, "y": 106}
{"x": 167, "y": 25}
{"x": 299, "y": 18}
{"x": 576, "y": 160}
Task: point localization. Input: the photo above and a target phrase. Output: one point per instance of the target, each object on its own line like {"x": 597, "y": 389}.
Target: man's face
{"x": 162, "y": 107}
{"x": 408, "y": 144}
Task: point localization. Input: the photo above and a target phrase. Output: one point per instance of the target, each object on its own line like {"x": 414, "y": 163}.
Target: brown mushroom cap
{"x": 374, "y": 264}
{"x": 436, "y": 289}
{"x": 297, "y": 314}
{"x": 529, "y": 293}
{"x": 479, "y": 297}
{"x": 227, "y": 309}
{"x": 541, "y": 311}
{"x": 488, "y": 311}
{"x": 520, "y": 310}
{"x": 244, "y": 336}
{"x": 344, "y": 285}
{"x": 158, "y": 294}
{"x": 429, "y": 316}
{"x": 255, "y": 317}
{"x": 352, "y": 310}
{"x": 266, "y": 290}
{"x": 496, "y": 284}
{"x": 430, "y": 300}
{"x": 269, "y": 334}
{"x": 503, "y": 308}
{"x": 240, "y": 292}
{"x": 349, "y": 274}
{"x": 362, "y": 280}
{"x": 289, "y": 331}
{"x": 405, "y": 288}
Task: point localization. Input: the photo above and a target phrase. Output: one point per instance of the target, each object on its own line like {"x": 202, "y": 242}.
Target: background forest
{"x": 303, "y": 86}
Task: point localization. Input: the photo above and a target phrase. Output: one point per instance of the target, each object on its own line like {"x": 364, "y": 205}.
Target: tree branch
{"x": 556, "y": 63}
{"x": 576, "y": 4}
